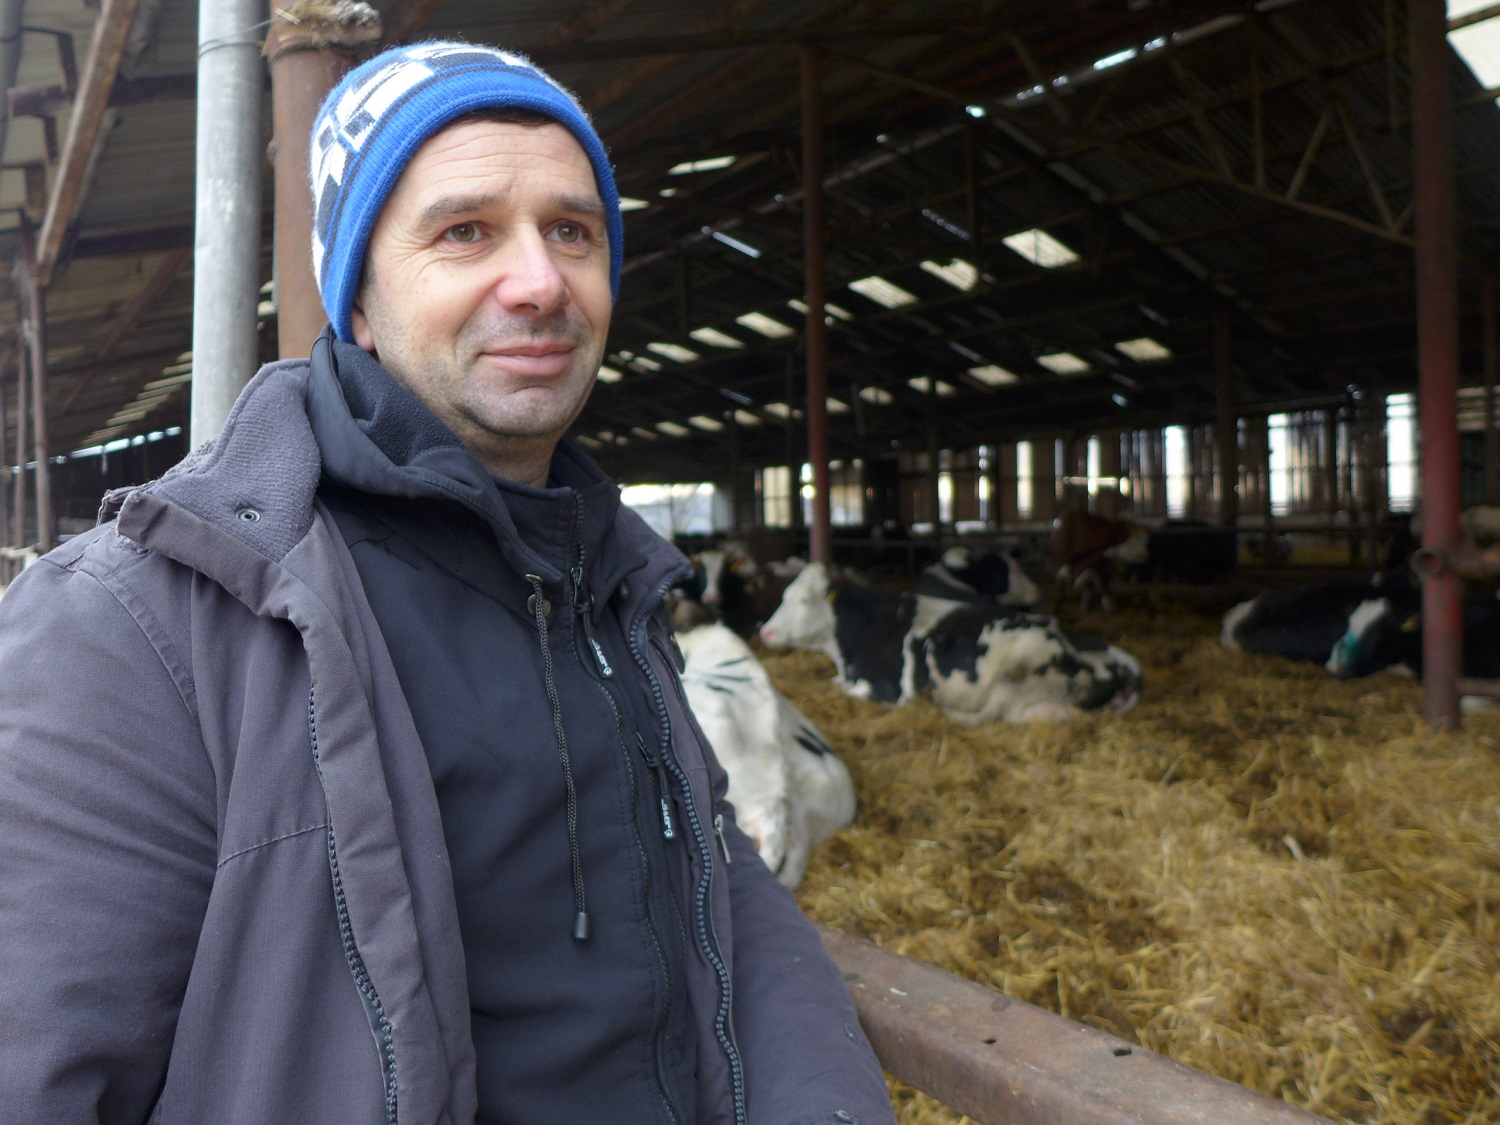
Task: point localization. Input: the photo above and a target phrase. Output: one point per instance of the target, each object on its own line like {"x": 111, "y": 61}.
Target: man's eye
{"x": 463, "y": 232}
{"x": 569, "y": 232}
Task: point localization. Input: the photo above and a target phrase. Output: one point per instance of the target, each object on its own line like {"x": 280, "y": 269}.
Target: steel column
{"x": 1437, "y": 346}
{"x": 1489, "y": 359}
{"x": 1226, "y": 423}
{"x": 36, "y": 316}
{"x": 1003, "y": 1061}
{"x": 308, "y": 56}
{"x": 12, "y": 355}
{"x": 816, "y": 336}
{"x": 23, "y": 367}
{"x": 226, "y": 259}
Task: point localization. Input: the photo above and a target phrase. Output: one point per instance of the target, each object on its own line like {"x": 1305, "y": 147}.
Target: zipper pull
{"x": 719, "y": 832}
{"x": 584, "y": 605}
{"x": 664, "y": 804}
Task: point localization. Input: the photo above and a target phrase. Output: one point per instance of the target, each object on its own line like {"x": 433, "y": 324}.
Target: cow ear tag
{"x": 1409, "y": 625}
{"x": 829, "y": 596}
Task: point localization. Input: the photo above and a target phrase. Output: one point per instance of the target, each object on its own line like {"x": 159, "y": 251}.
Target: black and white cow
{"x": 1306, "y": 622}
{"x": 1386, "y": 633}
{"x": 962, "y": 577}
{"x": 980, "y": 663}
{"x": 789, "y": 790}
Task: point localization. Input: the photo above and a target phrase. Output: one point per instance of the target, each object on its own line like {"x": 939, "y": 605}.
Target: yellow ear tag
{"x": 830, "y": 596}
{"x": 1410, "y": 624}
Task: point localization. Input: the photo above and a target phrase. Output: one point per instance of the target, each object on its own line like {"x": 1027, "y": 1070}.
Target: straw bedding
{"x": 1283, "y": 880}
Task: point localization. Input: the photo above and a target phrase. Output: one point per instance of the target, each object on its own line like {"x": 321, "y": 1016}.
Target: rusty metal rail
{"x": 1005, "y": 1062}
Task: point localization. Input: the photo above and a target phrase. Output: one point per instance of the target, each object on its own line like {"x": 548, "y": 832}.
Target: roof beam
{"x": 100, "y": 70}
{"x": 49, "y": 101}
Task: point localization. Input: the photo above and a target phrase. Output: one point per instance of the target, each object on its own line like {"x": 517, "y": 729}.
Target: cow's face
{"x": 1377, "y": 638}
{"x": 805, "y": 617}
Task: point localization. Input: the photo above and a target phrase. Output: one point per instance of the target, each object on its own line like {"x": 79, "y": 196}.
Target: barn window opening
{"x": 1024, "y": 505}
{"x": 773, "y": 484}
{"x": 993, "y": 375}
{"x": 673, "y": 509}
{"x": 1401, "y": 451}
{"x": 1479, "y": 43}
{"x": 1177, "y": 471}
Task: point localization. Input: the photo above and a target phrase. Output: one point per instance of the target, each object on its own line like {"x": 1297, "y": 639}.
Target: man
{"x": 344, "y": 771}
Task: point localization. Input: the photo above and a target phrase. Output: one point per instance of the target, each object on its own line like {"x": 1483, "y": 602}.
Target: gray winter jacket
{"x": 224, "y": 892}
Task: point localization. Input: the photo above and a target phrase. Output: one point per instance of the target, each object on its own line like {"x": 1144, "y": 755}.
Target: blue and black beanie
{"x": 383, "y": 111}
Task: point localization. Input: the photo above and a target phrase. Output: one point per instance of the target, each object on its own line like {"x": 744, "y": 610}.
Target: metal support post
{"x": 308, "y": 56}
{"x": 1437, "y": 346}
{"x": 23, "y": 369}
{"x": 1489, "y": 359}
{"x": 816, "y": 337}
{"x": 226, "y": 260}
{"x": 11, "y": 356}
{"x": 36, "y": 316}
{"x": 1226, "y": 424}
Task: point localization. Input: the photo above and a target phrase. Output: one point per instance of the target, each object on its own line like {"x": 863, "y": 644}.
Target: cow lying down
{"x": 790, "y": 792}
{"x": 1306, "y": 622}
{"x": 980, "y": 663}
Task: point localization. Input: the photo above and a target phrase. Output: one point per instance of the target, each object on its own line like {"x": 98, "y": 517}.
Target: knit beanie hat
{"x": 374, "y": 121}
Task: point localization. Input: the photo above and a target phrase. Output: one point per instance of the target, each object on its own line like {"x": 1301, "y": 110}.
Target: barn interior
{"x": 1164, "y": 259}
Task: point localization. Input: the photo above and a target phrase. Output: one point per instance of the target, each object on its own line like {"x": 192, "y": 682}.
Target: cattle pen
{"x": 901, "y": 275}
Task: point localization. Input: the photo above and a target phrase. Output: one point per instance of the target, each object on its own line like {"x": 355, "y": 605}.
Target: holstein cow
{"x": 1305, "y": 622}
{"x": 789, "y": 790}
{"x": 1084, "y": 546}
{"x": 962, "y": 578}
{"x": 981, "y": 663}
{"x": 728, "y": 585}
{"x": 1386, "y": 632}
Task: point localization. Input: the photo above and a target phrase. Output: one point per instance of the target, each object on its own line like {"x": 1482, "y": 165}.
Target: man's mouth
{"x": 540, "y": 360}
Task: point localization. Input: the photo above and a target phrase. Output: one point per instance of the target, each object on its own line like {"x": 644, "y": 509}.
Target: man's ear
{"x": 360, "y": 325}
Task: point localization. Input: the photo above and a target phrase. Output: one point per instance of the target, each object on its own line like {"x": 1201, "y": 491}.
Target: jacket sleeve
{"x": 107, "y": 853}
{"x": 807, "y": 1061}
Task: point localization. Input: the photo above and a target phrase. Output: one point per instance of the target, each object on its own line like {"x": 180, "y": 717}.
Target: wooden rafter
{"x": 99, "y": 72}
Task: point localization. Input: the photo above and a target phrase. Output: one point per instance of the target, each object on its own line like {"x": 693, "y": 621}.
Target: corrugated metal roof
{"x": 1146, "y": 167}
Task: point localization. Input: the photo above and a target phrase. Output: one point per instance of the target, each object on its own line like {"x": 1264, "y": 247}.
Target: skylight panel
{"x": 781, "y": 410}
{"x": 993, "y": 375}
{"x": 588, "y": 442}
{"x": 1040, "y": 248}
{"x": 975, "y": 110}
{"x": 608, "y": 374}
{"x": 715, "y": 339}
{"x": 957, "y": 273}
{"x": 735, "y": 244}
{"x": 673, "y": 429}
{"x": 707, "y": 164}
{"x": 1063, "y": 363}
{"x": 704, "y": 422}
{"x": 629, "y": 204}
{"x": 1478, "y": 44}
{"x": 673, "y": 351}
{"x": 767, "y": 326}
{"x": 642, "y": 432}
{"x": 879, "y": 396}
{"x": 642, "y": 363}
{"x": 925, "y": 384}
{"x": 829, "y": 308}
{"x": 883, "y": 292}
{"x": 1144, "y": 350}
{"x": 1116, "y": 59}
{"x": 837, "y": 405}
{"x": 745, "y": 418}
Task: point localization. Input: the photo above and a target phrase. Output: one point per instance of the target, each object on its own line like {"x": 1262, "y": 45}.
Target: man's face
{"x": 487, "y": 285}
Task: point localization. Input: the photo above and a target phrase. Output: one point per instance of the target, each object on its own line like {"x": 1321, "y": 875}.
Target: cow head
{"x": 805, "y": 617}
{"x": 1378, "y": 636}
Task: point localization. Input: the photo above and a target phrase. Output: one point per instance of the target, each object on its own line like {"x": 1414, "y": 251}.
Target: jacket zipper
{"x": 707, "y": 940}
{"x": 583, "y": 606}
{"x": 374, "y": 1010}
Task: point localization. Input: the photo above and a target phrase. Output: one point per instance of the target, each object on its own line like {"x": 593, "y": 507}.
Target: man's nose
{"x": 529, "y": 280}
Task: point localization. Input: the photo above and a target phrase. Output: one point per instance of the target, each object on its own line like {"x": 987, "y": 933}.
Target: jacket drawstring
{"x": 539, "y": 608}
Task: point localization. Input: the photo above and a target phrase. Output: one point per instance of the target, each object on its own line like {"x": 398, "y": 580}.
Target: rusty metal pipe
{"x": 1437, "y": 347}
{"x": 308, "y": 56}
{"x": 1002, "y": 1061}
{"x": 816, "y": 337}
